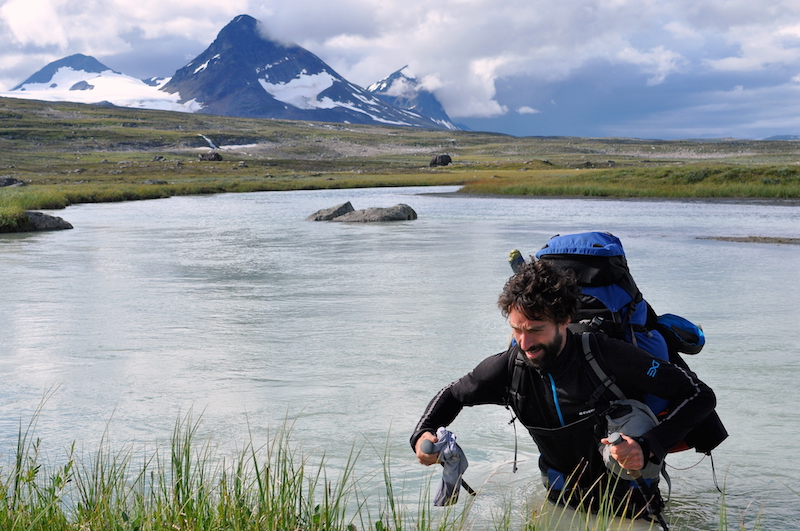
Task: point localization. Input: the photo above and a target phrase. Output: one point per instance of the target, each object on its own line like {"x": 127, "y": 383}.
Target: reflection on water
{"x": 236, "y": 306}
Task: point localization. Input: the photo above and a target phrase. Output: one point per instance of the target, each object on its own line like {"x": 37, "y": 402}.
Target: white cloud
{"x": 462, "y": 49}
{"x": 760, "y": 47}
{"x": 658, "y": 63}
{"x": 527, "y": 110}
{"x": 33, "y": 22}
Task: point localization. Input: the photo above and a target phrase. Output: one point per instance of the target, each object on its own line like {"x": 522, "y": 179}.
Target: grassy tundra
{"x": 70, "y": 153}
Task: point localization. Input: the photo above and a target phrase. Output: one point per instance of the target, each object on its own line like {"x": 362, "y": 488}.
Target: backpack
{"x": 611, "y": 303}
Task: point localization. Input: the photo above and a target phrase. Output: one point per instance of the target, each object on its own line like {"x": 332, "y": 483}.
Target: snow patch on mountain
{"x": 108, "y": 86}
{"x": 205, "y": 65}
{"x": 303, "y": 91}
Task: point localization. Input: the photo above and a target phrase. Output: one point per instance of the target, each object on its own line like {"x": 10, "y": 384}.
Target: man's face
{"x": 541, "y": 341}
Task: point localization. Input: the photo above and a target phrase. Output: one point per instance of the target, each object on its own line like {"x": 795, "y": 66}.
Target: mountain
{"x": 243, "y": 73}
{"x": 83, "y": 79}
{"x": 402, "y": 90}
{"x": 784, "y": 137}
{"x": 78, "y": 63}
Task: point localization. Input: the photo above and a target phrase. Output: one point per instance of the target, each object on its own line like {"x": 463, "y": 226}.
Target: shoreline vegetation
{"x": 60, "y": 154}
{"x": 274, "y": 486}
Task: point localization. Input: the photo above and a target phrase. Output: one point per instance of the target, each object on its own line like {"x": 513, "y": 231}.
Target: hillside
{"x": 68, "y": 153}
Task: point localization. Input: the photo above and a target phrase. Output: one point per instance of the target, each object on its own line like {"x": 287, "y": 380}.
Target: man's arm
{"x": 638, "y": 373}
{"x": 441, "y": 411}
{"x": 486, "y": 384}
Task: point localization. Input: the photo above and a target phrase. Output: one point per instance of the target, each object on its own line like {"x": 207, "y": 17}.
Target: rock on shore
{"x": 346, "y": 213}
{"x": 37, "y": 221}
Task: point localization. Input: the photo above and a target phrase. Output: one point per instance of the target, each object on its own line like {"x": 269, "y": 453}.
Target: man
{"x": 555, "y": 399}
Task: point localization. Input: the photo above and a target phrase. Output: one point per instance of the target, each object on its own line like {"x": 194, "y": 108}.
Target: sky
{"x": 656, "y": 69}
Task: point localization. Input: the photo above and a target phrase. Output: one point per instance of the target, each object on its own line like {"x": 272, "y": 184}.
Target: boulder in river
{"x": 327, "y": 214}
{"x": 400, "y": 212}
{"x": 345, "y": 212}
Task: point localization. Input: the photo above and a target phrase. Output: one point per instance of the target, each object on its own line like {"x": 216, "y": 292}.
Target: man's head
{"x": 539, "y": 303}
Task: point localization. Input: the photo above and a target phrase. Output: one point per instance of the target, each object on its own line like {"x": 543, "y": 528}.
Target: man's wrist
{"x": 647, "y": 455}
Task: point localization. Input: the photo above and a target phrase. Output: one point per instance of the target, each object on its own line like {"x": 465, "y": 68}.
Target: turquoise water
{"x": 236, "y": 307}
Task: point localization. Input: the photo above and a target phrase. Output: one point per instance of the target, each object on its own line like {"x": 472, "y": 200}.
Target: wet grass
{"x": 275, "y": 486}
{"x": 71, "y": 153}
{"x": 686, "y": 181}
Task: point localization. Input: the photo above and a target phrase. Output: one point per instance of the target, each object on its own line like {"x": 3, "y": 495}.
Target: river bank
{"x": 62, "y": 154}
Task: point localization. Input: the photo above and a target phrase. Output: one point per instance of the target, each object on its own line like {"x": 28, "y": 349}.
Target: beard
{"x": 549, "y": 350}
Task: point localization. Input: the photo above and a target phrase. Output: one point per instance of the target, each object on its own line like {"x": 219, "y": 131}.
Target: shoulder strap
{"x": 606, "y": 382}
{"x": 516, "y": 399}
{"x": 516, "y": 379}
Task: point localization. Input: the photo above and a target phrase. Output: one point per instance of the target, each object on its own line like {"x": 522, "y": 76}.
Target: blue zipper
{"x": 555, "y": 399}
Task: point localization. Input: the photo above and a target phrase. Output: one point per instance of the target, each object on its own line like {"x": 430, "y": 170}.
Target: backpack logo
{"x": 653, "y": 369}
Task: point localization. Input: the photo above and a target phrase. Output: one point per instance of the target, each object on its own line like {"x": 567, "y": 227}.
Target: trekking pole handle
{"x": 427, "y": 446}
{"x": 615, "y": 439}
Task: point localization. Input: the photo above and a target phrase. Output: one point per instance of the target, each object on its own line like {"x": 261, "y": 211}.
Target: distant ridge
{"x": 77, "y": 61}
{"x": 243, "y": 73}
{"x": 402, "y": 90}
{"x": 784, "y": 137}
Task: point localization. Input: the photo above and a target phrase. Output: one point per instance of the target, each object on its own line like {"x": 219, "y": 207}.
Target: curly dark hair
{"x": 541, "y": 291}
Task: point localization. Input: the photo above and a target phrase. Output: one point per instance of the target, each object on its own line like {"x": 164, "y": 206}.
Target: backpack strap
{"x": 516, "y": 399}
{"x": 516, "y": 380}
{"x": 606, "y": 382}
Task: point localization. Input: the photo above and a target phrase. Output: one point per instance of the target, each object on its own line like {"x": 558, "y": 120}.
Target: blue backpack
{"x": 611, "y": 303}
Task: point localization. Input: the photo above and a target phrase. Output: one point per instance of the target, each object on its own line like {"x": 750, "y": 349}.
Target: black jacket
{"x": 555, "y": 403}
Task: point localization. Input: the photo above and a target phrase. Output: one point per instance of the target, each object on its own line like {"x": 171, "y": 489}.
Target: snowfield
{"x": 302, "y": 92}
{"x": 108, "y": 86}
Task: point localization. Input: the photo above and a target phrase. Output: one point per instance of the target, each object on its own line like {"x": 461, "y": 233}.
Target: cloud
{"x": 527, "y": 110}
{"x": 464, "y": 50}
{"x": 657, "y": 63}
{"x": 715, "y": 114}
{"x": 760, "y": 47}
{"x": 33, "y": 22}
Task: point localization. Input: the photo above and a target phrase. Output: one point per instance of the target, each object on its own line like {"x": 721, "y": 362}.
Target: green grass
{"x": 71, "y": 153}
{"x": 269, "y": 487}
{"x": 690, "y": 181}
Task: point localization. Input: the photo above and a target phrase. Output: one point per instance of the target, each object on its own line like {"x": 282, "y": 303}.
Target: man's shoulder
{"x": 498, "y": 362}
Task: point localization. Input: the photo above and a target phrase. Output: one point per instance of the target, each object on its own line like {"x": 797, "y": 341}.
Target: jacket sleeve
{"x": 485, "y": 384}
{"x": 638, "y": 373}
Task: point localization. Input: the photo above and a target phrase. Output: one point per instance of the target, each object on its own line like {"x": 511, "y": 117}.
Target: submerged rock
{"x": 345, "y": 212}
{"x": 399, "y": 212}
{"x": 327, "y": 214}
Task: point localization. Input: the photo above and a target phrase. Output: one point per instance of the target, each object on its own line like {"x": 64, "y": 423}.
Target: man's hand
{"x": 427, "y": 459}
{"x": 627, "y": 453}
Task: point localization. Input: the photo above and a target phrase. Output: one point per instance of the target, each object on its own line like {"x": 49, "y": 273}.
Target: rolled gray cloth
{"x": 454, "y": 462}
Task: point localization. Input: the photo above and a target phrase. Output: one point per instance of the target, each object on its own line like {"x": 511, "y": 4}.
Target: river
{"x": 235, "y": 307}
